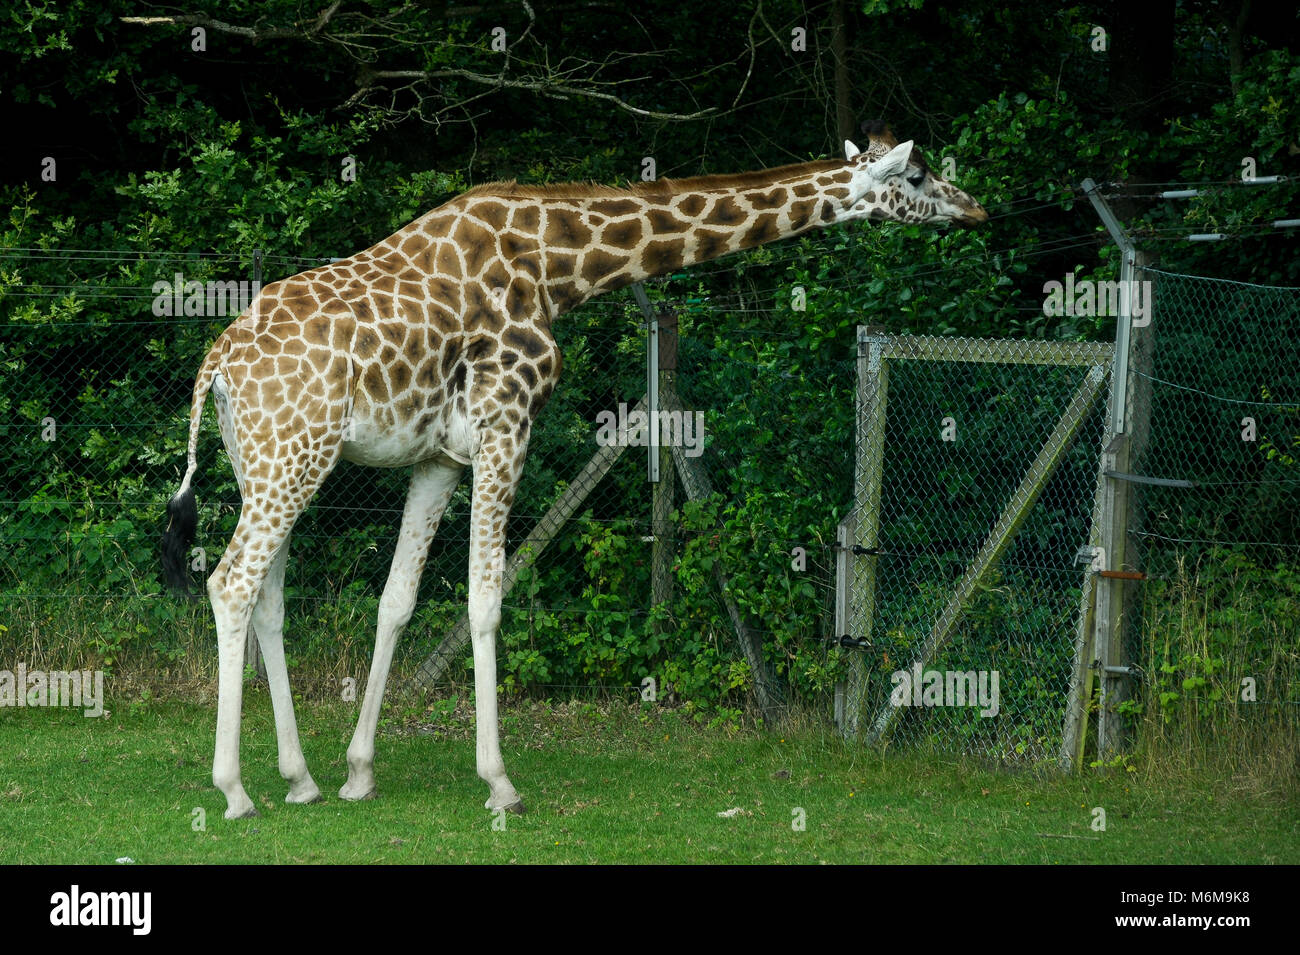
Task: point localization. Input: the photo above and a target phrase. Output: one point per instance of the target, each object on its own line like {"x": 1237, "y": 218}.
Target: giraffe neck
{"x": 607, "y": 238}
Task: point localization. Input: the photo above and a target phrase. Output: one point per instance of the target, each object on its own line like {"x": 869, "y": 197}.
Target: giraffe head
{"x": 892, "y": 181}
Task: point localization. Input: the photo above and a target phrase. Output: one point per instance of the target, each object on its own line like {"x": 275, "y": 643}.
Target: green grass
{"x": 603, "y": 783}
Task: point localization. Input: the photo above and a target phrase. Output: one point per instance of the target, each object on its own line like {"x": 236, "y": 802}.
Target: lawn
{"x": 603, "y": 783}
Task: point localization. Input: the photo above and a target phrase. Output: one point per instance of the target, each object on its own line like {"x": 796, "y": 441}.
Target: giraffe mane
{"x": 659, "y": 187}
{"x": 878, "y": 129}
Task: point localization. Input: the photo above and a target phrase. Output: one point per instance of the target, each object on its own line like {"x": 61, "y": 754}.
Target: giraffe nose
{"x": 974, "y": 216}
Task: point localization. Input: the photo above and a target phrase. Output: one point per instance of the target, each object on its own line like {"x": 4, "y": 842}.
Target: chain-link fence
{"x": 976, "y": 485}
{"x": 1216, "y": 495}
{"x": 717, "y": 583}
{"x": 99, "y": 349}
{"x": 1221, "y": 367}
{"x": 972, "y": 550}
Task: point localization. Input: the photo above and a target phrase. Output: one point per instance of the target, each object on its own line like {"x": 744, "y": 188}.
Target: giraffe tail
{"x": 182, "y": 510}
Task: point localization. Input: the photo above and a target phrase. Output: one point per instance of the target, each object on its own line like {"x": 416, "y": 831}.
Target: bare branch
{"x": 273, "y": 33}
{"x": 525, "y": 66}
{"x": 753, "y": 52}
{"x": 544, "y": 86}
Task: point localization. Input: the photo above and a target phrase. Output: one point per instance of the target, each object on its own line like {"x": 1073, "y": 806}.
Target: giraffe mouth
{"x": 976, "y": 216}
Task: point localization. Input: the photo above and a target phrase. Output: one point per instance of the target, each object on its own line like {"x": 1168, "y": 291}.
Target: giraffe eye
{"x": 916, "y": 179}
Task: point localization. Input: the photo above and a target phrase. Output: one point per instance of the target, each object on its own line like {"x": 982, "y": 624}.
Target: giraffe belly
{"x": 385, "y": 444}
{"x": 381, "y": 454}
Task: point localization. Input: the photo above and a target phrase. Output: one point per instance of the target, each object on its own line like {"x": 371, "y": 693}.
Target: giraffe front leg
{"x": 432, "y": 484}
{"x": 493, "y": 492}
{"x": 491, "y": 766}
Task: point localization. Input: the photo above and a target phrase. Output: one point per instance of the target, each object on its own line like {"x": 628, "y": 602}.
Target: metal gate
{"x": 964, "y": 572}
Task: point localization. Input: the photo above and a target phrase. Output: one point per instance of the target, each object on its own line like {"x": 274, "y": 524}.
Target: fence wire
{"x": 1213, "y": 487}
{"x": 94, "y": 396}
{"x": 1219, "y": 369}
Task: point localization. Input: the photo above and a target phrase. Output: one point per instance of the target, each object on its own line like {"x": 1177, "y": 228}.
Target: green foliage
{"x": 1210, "y": 633}
{"x": 1256, "y": 125}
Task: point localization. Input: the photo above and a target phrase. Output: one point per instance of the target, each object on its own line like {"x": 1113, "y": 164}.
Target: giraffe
{"x": 433, "y": 349}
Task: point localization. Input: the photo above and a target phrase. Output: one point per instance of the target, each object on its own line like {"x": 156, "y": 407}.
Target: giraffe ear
{"x": 892, "y": 163}
{"x": 850, "y": 150}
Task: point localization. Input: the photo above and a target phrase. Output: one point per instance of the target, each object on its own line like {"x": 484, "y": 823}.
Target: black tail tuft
{"x": 182, "y": 520}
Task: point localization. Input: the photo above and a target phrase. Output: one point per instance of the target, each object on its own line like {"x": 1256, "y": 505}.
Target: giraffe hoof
{"x": 304, "y": 793}
{"x": 249, "y": 813}
{"x": 352, "y": 795}
{"x": 516, "y": 807}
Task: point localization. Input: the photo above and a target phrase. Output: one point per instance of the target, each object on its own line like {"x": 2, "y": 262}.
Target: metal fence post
{"x": 1108, "y": 643}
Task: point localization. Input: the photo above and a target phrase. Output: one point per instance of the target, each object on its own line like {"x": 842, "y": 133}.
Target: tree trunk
{"x": 1141, "y": 53}
{"x": 844, "y": 125}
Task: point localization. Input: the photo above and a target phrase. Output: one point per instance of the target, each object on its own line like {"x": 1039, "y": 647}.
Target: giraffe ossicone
{"x": 433, "y": 350}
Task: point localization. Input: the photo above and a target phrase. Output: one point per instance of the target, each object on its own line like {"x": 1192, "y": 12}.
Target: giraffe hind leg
{"x": 247, "y": 588}
{"x": 268, "y": 624}
{"x": 232, "y": 619}
{"x": 236, "y": 587}
{"x": 232, "y": 591}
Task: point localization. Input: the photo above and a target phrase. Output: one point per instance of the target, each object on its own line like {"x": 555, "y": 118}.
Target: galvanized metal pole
{"x": 1124, "y": 321}
{"x": 1108, "y": 618}
{"x": 661, "y": 505}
